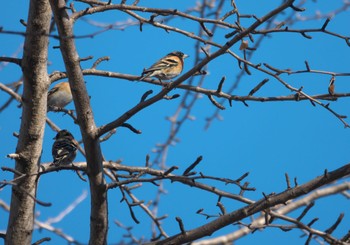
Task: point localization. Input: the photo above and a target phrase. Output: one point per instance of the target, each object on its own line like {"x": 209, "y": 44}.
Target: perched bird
{"x": 59, "y": 96}
{"x": 331, "y": 86}
{"x": 64, "y": 149}
{"x": 167, "y": 67}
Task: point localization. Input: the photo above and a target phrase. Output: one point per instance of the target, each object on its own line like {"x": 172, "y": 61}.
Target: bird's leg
{"x": 168, "y": 84}
{"x": 55, "y": 108}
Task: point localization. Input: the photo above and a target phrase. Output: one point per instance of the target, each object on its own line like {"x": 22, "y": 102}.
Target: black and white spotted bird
{"x": 64, "y": 149}
{"x": 166, "y": 68}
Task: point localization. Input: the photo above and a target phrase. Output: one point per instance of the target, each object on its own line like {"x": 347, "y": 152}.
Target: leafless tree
{"x": 55, "y": 20}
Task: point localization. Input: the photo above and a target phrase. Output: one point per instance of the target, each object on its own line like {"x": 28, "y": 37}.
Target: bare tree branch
{"x": 310, "y": 198}
{"x": 99, "y": 212}
{"x": 258, "y": 206}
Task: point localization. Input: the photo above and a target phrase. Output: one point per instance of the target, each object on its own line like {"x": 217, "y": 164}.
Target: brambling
{"x": 59, "y": 96}
{"x": 331, "y": 86}
{"x": 64, "y": 149}
{"x": 167, "y": 67}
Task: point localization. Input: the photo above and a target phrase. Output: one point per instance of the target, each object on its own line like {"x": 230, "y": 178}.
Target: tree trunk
{"x": 29, "y": 147}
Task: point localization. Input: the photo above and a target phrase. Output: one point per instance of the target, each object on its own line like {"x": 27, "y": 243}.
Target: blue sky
{"x": 266, "y": 139}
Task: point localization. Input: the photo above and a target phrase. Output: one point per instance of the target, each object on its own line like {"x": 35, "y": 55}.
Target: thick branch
{"x": 282, "y": 210}
{"x": 261, "y": 205}
{"x": 99, "y": 212}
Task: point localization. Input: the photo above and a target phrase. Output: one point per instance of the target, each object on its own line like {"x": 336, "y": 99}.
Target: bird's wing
{"x": 62, "y": 149}
{"x": 53, "y": 90}
{"x": 162, "y": 64}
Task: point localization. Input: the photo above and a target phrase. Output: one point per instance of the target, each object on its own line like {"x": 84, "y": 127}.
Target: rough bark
{"x": 98, "y": 189}
{"x": 29, "y": 147}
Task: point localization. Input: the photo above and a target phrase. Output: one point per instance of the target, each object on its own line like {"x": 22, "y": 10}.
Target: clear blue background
{"x": 266, "y": 139}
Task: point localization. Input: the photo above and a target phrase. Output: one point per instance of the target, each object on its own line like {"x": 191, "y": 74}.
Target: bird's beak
{"x": 185, "y": 56}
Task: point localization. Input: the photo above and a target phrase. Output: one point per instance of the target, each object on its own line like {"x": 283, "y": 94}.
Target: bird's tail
{"x": 144, "y": 75}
